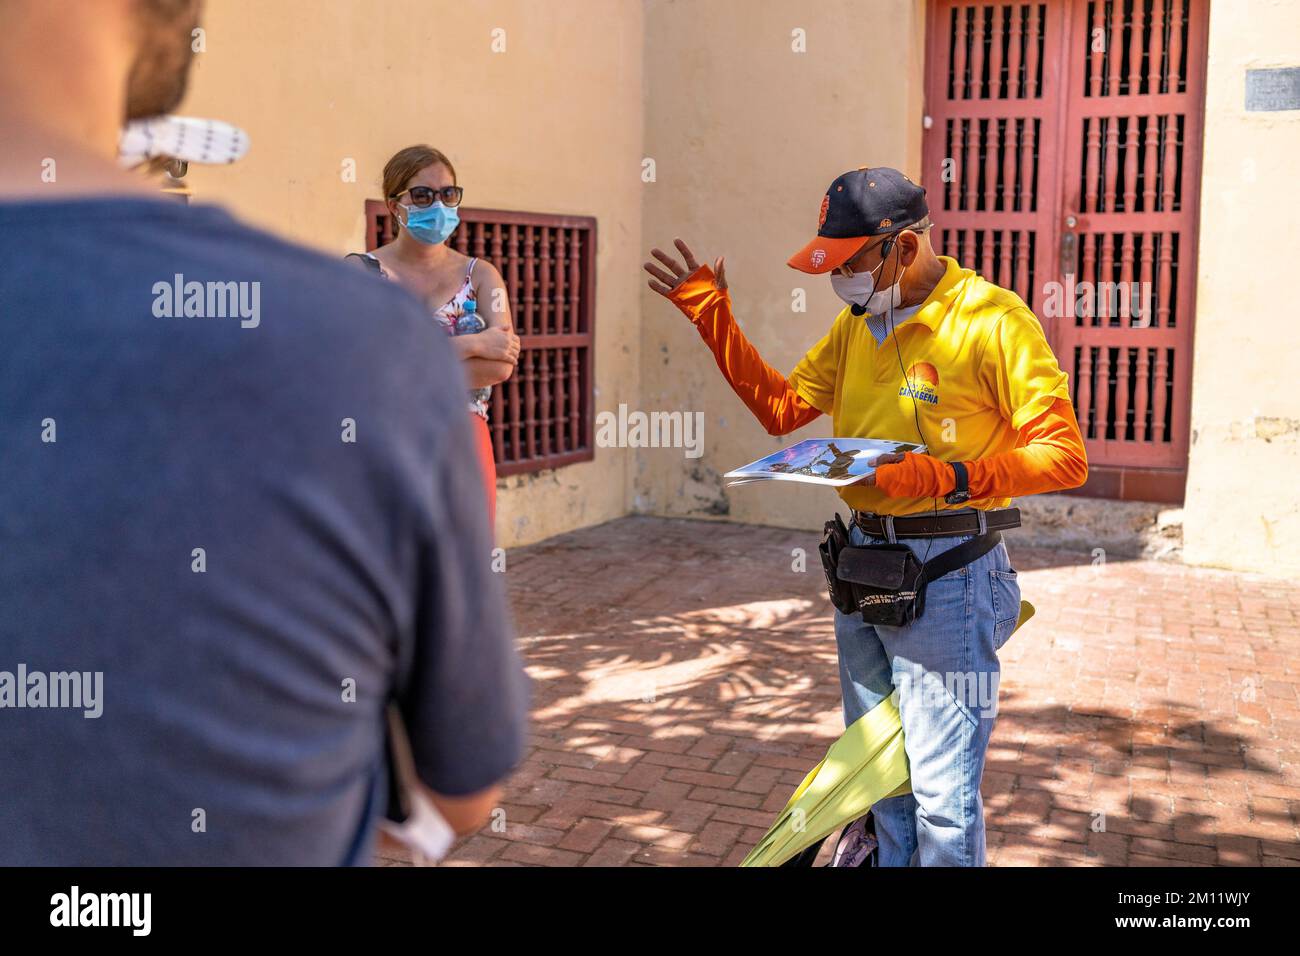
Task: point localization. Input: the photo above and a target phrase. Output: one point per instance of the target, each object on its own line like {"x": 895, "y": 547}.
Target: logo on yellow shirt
{"x": 922, "y": 383}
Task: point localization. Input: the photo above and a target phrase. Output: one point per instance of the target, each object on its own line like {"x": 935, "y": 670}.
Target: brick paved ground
{"x": 683, "y": 689}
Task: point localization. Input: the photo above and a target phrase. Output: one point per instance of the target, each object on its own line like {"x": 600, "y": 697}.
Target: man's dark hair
{"x": 161, "y": 69}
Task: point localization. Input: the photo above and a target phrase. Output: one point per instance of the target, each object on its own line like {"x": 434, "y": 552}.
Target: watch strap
{"x": 961, "y": 489}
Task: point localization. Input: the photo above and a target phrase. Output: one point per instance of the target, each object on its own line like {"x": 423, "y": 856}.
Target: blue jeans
{"x": 945, "y": 670}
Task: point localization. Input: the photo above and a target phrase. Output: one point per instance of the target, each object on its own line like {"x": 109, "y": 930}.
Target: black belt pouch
{"x": 885, "y": 580}
{"x": 835, "y": 540}
{"x": 880, "y": 581}
{"x": 886, "y": 583}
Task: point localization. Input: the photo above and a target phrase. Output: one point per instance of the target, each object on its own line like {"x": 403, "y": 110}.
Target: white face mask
{"x": 860, "y": 291}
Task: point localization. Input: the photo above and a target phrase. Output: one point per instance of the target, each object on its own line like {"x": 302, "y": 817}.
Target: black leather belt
{"x": 944, "y": 525}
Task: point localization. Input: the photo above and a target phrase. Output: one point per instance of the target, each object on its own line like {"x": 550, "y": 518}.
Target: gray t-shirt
{"x": 258, "y": 524}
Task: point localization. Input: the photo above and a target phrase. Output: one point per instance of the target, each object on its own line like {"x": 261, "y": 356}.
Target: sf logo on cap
{"x": 818, "y": 257}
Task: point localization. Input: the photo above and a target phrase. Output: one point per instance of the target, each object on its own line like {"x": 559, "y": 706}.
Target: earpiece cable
{"x": 911, "y": 391}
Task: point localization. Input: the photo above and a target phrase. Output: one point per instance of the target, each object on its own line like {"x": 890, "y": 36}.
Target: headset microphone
{"x": 886, "y": 248}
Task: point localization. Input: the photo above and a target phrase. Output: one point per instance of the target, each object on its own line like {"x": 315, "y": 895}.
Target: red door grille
{"x": 542, "y": 416}
{"x": 991, "y": 147}
{"x": 1063, "y": 141}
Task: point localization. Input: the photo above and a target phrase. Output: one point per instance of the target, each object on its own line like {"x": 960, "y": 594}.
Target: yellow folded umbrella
{"x": 865, "y": 765}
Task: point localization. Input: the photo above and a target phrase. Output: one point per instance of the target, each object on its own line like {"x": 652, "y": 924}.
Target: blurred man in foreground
{"x": 226, "y": 545}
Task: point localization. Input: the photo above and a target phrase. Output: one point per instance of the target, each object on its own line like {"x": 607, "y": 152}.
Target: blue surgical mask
{"x": 431, "y": 224}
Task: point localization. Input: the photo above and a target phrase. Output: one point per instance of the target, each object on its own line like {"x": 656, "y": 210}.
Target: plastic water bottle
{"x": 469, "y": 321}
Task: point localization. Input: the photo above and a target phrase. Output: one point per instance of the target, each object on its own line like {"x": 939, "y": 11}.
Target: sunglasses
{"x": 920, "y": 229}
{"x": 423, "y": 196}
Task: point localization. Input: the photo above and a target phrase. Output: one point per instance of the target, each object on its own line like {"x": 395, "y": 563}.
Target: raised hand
{"x": 667, "y": 277}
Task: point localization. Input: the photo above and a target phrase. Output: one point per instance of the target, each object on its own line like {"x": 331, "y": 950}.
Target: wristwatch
{"x": 961, "y": 491}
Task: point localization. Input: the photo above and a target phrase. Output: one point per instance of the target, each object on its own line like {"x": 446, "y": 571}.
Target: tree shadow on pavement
{"x": 685, "y": 679}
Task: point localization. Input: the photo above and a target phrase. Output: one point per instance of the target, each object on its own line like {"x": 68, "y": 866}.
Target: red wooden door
{"x": 1062, "y": 158}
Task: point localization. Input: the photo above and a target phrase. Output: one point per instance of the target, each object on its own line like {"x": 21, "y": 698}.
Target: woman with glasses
{"x": 466, "y": 296}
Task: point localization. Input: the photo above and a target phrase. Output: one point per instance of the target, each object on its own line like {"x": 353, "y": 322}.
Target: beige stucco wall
{"x": 553, "y": 124}
{"x": 1243, "y": 490}
{"x": 746, "y": 134}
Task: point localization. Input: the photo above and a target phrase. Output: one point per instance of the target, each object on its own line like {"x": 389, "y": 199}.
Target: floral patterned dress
{"x": 451, "y": 317}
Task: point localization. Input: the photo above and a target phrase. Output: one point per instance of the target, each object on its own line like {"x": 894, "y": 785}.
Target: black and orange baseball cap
{"x": 860, "y": 204}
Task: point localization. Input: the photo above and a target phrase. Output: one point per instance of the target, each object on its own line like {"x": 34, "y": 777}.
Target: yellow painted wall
{"x": 1243, "y": 490}
{"x": 553, "y": 124}
{"x": 746, "y": 135}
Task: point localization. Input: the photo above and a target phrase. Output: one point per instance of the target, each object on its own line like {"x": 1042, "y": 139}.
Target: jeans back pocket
{"x": 1006, "y": 605}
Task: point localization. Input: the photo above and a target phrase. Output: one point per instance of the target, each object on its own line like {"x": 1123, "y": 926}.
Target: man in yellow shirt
{"x": 923, "y": 351}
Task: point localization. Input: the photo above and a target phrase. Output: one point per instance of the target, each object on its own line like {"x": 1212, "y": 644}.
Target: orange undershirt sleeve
{"x": 765, "y": 391}
{"x": 1050, "y": 457}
